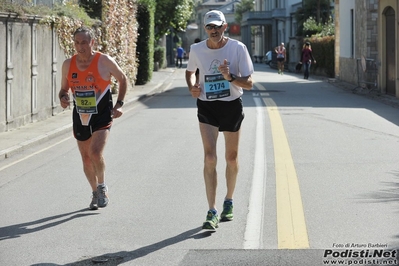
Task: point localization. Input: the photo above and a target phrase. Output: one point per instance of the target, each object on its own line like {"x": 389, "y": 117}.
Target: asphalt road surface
{"x": 318, "y": 183}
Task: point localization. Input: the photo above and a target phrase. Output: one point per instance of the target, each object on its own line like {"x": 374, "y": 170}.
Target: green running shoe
{"x": 212, "y": 221}
{"x": 227, "y": 214}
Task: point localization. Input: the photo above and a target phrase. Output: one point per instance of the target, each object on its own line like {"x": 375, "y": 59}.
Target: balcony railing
{"x": 256, "y": 15}
{"x": 279, "y": 13}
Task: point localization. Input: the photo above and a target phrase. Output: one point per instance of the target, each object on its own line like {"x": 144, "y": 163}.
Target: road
{"x": 318, "y": 176}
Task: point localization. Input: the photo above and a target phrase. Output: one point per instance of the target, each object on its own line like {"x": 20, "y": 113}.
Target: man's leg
{"x": 231, "y": 156}
{"x": 209, "y": 136}
{"x": 91, "y": 151}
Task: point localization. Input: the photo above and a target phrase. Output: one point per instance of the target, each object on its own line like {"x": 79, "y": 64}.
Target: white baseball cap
{"x": 214, "y": 17}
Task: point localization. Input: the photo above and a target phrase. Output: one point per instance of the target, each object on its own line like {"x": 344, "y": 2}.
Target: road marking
{"x": 291, "y": 225}
{"x": 254, "y": 228}
{"x": 33, "y": 154}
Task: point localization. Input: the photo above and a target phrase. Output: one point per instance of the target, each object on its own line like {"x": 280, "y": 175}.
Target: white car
{"x": 268, "y": 57}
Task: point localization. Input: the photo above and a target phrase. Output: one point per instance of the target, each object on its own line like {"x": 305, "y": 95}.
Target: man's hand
{"x": 64, "y": 101}
{"x": 225, "y": 70}
{"x": 116, "y": 111}
{"x": 195, "y": 90}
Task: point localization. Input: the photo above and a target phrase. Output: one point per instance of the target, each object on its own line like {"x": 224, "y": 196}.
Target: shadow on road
{"x": 116, "y": 258}
{"x": 17, "y": 230}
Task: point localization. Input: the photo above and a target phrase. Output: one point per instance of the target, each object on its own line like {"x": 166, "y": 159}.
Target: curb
{"x": 7, "y": 153}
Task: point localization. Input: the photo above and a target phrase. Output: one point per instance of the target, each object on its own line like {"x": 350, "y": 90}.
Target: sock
{"x": 214, "y": 211}
{"x": 101, "y": 184}
{"x": 228, "y": 200}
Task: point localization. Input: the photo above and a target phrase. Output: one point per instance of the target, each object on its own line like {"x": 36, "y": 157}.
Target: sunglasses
{"x": 210, "y": 27}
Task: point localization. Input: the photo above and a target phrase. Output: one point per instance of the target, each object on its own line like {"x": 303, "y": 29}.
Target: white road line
{"x": 254, "y": 228}
{"x": 33, "y": 154}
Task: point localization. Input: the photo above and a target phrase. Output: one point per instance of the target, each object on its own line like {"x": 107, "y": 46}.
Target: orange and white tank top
{"x": 88, "y": 88}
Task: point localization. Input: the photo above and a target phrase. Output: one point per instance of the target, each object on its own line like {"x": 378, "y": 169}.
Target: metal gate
{"x": 367, "y": 74}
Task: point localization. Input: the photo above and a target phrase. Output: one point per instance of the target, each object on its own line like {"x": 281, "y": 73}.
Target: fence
{"x": 367, "y": 74}
{"x": 49, "y": 3}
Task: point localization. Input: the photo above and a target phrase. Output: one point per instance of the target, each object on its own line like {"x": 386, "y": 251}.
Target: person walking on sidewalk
{"x": 225, "y": 69}
{"x": 180, "y": 55}
{"x": 281, "y": 57}
{"x": 306, "y": 59}
{"x": 88, "y": 75}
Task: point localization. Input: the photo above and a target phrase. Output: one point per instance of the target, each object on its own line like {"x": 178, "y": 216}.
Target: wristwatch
{"x": 233, "y": 77}
{"x": 120, "y": 102}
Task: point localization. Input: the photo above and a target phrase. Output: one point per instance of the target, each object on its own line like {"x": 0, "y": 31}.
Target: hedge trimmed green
{"x": 145, "y": 41}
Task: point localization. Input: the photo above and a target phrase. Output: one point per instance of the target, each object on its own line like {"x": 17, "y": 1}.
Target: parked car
{"x": 268, "y": 57}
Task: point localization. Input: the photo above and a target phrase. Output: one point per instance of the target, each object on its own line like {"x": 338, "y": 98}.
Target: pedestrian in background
{"x": 180, "y": 54}
{"x": 281, "y": 57}
{"x": 306, "y": 59}
{"x": 88, "y": 75}
{"x": 225, "y": 69}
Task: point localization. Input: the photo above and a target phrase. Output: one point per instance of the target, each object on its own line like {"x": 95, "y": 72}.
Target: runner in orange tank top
{"x": 88, "y": 75}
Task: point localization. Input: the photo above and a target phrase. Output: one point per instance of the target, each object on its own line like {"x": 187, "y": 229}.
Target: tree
{"x": 172, "y": 14}
{"x": 241, "y": 8}
{"x": 326, "y": 29}
{"x": 319, "y": 9}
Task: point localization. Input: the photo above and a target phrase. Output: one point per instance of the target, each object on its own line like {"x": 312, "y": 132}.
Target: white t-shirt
{"x": 213, "y": 85}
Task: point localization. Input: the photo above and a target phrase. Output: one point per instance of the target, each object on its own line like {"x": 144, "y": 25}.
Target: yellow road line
{"x": 291, "y": 225}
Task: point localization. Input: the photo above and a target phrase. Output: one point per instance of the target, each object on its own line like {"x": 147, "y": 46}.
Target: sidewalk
{"x": 31, "y": 134}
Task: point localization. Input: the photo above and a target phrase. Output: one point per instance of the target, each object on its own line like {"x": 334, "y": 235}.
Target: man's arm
{"x": 243, "y": 82}
{"x": 63, "y": 94}
{"x": 193, "y": 87}
{"x": 119, "y": 75}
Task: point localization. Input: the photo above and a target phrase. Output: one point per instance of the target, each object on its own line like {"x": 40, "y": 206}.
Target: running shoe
{"x": 227, "y": 214}
{"x": 94, "y": 201}
{"x": 102, "y": 196}
{"x": 212, "y": 221}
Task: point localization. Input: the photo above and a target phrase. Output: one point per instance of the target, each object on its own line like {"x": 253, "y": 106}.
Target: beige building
{"x": 367, "y": 44}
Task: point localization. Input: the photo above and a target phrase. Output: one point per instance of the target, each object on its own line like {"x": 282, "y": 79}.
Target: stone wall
{"x": 366, "y": 38}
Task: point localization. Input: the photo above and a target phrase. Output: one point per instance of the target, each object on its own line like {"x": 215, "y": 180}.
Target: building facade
{"x": 367, "y": 44}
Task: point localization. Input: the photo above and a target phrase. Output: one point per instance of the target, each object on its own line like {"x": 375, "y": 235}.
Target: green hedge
{"x": 323, "y": 52}
{"x": 145, "y": 41}
{"x": 160, "y": 55}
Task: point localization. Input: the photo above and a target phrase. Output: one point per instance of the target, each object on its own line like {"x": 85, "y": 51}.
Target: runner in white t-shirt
{"x": 225, "y": 69}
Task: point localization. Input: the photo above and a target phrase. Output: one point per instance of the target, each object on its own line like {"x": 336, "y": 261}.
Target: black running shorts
{"x": 97, "y": 122}
{"x": 227, "y": 116}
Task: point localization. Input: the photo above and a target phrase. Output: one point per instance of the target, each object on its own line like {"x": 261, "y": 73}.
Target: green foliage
{"x": 68, "y": 9}
{"x": 92, "y": 7}
{"x": 323, "y": 52}
{"x": 160, "y": 55}
{"x": 319, "y": 29}
{"x": 317, "y": 9}
{"x": 145, "y": 41}
{"x": 115, "y": 35}
{"x": 119, "y": 34}
{"x": 172, "y": 14}
{"x": 241, "y": 8}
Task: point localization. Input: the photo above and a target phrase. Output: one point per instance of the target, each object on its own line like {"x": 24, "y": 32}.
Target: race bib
{"x": 216, "y": 87}
{"x": 86, "y": 102}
